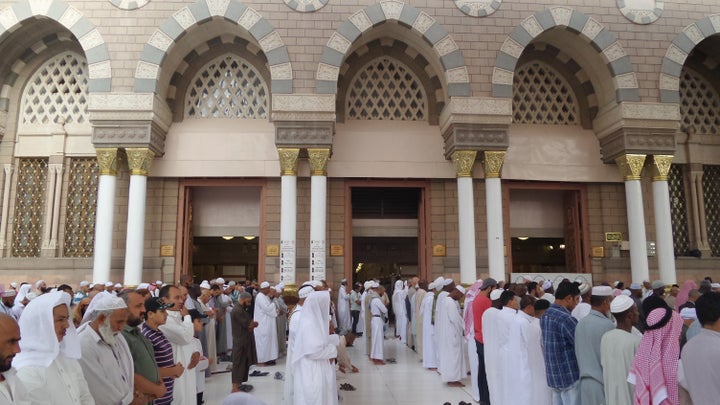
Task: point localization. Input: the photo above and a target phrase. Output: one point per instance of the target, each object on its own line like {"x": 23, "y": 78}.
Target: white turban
{"x": 103, "y": 301}
{"x": 264, "y": 284}
{"x": 22, "y": 294}
{"x": 447, "y": 282}
{"x": 39, "y": 343}
{"x": 367, "y": 285}
{"x": 205, "y": 285}
{"x": 688, "y": 313}
{"x": 305, "y": 291}
{"x": 37, "y": 283}
{"x": 496, "y": 293}
{"x": 546, "y": 285}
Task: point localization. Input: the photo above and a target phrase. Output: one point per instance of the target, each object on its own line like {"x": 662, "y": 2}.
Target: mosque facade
{"x": 296, "y": 139}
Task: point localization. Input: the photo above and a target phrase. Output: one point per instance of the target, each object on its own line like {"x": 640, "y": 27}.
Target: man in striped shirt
{"x": 156, "y": 316}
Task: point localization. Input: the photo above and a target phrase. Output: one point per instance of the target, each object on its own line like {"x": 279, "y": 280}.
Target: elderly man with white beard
{"x": 106, "y": 359}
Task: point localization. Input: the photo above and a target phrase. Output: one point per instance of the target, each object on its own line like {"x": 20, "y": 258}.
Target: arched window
{"x": 227, "y": 87}
{"x": 541, "y": 95}
{"x": 699, "y": 103}
{"x": 385, "y": 89}
{"x": 57, "y": 92}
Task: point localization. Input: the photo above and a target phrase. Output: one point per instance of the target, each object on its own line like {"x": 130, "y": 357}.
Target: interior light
{"x": 562, "y": 246}
{"x": 523, "y": 237}
{"x": 228, "y": 237}
{"x": 249, "y": 237}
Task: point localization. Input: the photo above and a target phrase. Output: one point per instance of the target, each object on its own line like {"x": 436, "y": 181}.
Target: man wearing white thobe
{"x": 343, "y": 307}
{"x": 617, "y": 352}
{"x": 378, "y": 313}
{"x": 398, "y": 303}
{"x": 491, "y": 347}
{"x": 293, "y": 324}
{"x": 429, "y": 357}
{"x": 527, "y": 342}
{"x": 441, "y": 291}
{"x": 106, "y": 359}
{"x": 416, "y": 321}
{"x": 266, "y": 331}
{"x": 508, "y": 354}
{"x": 451, "y": 327}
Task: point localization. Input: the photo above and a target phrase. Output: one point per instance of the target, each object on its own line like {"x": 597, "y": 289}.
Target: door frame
{"x": 424, "y": 232}
{"x": 547, "y": 186}
{"x": 182, "y": 246}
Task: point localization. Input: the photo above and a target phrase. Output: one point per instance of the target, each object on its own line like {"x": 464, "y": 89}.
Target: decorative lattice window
{"x": 227, "y": 87}
{"x": 81, "y": 204}
{"x": 678, "y": 210}
{"x": 385, "y": 89}
{"x": 699, "y": 103}
{"x": 711, "y": 192}
{"x": 541, "y": 95}
{"x": 30, "y": 207}
{"x": 57, "y": 92}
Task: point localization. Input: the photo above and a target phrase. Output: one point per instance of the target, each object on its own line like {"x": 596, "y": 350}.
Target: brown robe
{"x": 244, "y": 353}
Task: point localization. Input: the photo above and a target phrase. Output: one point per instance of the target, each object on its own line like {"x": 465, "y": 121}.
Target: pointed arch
{"x": 455, "y": 75}
{"x": 158, "y": 46}
{"x": 600, "y": 38}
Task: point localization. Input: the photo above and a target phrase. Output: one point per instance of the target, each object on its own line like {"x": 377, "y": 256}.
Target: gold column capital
{"x": 493, "y": 163}
{"x": 631, "y": 165}
{"x": 661, "y": 167}
{"x": 107, "y": 161}
{"x": 288, "y": 161}
{"x": 318, "y": 161}
{"x": 139, "y": 160}
{"x": 464, "y": 161}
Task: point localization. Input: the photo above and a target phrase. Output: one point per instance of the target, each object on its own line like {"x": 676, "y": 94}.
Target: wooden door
{"x": 573, "y": 232}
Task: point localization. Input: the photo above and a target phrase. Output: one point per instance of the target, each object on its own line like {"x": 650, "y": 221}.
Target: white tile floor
{"x": 403, "y": 383}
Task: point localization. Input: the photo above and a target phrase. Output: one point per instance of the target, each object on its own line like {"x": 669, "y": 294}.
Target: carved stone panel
{"x": 129, "y": 134}
{"x": 304, "y": 134}
{"x": 650, "y": 141}
{"x": 475, "y": 137}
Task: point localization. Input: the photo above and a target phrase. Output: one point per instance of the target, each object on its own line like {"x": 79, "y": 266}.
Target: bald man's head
{"x": 9, "y": 341}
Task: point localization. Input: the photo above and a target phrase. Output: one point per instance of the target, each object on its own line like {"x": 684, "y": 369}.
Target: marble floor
{"x": 402, "y": 383}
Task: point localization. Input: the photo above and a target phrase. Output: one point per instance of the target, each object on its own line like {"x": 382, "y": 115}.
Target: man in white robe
{"x": 492, "y": 346}
{"x": 428, "y": 356}
{"x": 361, "y": 329}
{"x": 313, "y": 350}
{"x": 450, "y": 331}
{"x": 378, "y": 313}
{"x": 509, "y": 354}
{"x": 416, "y": 321}
{"x": 293, "y": 324}
{"x": 398, "y": 303}
{"x": 12, "y": 391}
{"x": 442, "y": 289}
{"x": 266, "y": 331}
{"x": 343, "y": 307}
{"x": 48, "y": 364}
{"x": 526, "y": 340}
{"x": 180, "y": 331}
{"x": 617, "y": 352}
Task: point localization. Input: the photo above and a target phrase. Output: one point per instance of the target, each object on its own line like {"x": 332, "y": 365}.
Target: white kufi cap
{"x": 621, "y": 303}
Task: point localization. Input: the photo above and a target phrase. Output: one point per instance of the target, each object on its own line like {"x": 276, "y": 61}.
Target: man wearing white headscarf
{"x": 313, "y": 349}
{"x": 281, "y": 320}
{"x": 266, "y": 331}
{"x": 48, "y": 364}
{"x": 106, "y": 359}
{"x": 429, "y": 357}
{"x": 398, "y": 303}
{"x": 343, "y": 307}
{"x": 450, "y": 330}
{"x": 293, "y": 324}
{"x": 21, "y": 299}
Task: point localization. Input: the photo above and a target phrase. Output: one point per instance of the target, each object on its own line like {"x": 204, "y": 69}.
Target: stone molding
{"x": 652, "y": 141}
{"x": 640, "y": 115}
{"x": 304, "y": 134}
{"x": 477, "y": 137}
{"x": 478, "y": 8}
{"x": 303, "y": 107}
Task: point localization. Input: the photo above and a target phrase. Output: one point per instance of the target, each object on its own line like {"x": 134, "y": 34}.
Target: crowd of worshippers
{"x": 563, "y": 343}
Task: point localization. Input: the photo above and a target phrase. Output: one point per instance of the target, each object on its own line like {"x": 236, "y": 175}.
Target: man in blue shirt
{"x": 558, "y": 336}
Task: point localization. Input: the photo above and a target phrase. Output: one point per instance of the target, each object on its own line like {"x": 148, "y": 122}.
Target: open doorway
{"x": 547, "y": 228}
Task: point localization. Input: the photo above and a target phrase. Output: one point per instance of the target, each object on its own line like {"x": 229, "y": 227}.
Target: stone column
{"x": 288, "y": 213}
{"x": 318, "y": 210}
{"x": 107, "y": 164}
{"x": 52, "y": 209}
{"x": 139, "y": 161}
{"x": 7, "y": 183}
{"x": 663, "y": 219}
{"x": 464, "y": 161}
{"x": 631, "y": 166}
{"x": 493, "y": 162}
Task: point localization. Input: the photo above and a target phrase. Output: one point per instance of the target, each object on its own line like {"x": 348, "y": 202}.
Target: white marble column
{"x": 631, "y": 166}
{"x": 493, "y": 162}
{"x": 288, "y": 214}
{"x": 318, "y": 211}
{"x": 663, "y": 219}
{"x": 107, "y": 164}
{"x": 139, "y": 161}
{"x": 464, "y": 161}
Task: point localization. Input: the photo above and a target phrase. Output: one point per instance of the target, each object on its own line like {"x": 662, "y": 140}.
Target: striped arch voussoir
{"x": 456, "y": 74}
{"x": 160, "y": 42}
{"x": 89, "y": 38}
{"x": 678, "y": 52}
{"x": 599, "y": 37}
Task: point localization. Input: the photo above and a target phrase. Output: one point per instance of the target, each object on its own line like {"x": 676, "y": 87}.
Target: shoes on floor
{"x": 347, "y": 387}
{"x": 391, "y": 361}
{"x": 245, "y": 387}
{"x": 270, "y": 363}
{"x": 258, "y": 373}
{"x": 279, "y": 376}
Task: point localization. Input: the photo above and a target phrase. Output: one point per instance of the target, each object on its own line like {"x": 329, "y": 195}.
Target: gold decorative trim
{"x": 139, "y": 160}
{"x": 107, "y": 161}
{"x": 661, "y": 167}
{"x": 464, "y": 161}
{"x": 288, "y": 161}
{"x": 493, "y": 163}
{"x": 318, "y": 161}
{"x": 631, "y": 165}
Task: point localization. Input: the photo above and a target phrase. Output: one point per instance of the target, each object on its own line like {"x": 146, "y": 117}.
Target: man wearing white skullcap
{"x": 370, "y": 294}
{"x": 378, "y": 315}
{"x": 41, "y": 287}
{"x": 617, "y": 351}
{"x": 582, "y": 309}
{"x": 266, "y": 332}
{"x": 429, "y": 355}
{"x": 343, "y": 307}
{"x": 106, "y": 359}
{"x": 450, "y": 330}
{"x": 82, "y": 292}
{"x": 548, "y": 289}
{"x": 48, "y": 363}
{"x": 588, "y": 333}
{"x": 7, "y": 299}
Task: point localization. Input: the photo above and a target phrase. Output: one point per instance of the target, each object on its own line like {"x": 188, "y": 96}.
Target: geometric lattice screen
{"x": 57, "y": 90}
{"x": 81, "y": 208}
{"x": 385, "y": 89}
{"x": 678, "y": 210}
{"x": 227, "y": 87}
{"x": 711, "y": 192}
{"x": 699, "y": 103}
{"x": 542, "y": 96}
{"x": 30, "y": 207}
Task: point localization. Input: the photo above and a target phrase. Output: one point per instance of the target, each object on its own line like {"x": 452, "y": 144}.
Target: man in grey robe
{"x": 698, "y": 371}
{"x": 588, "y": 335}
{"x": 617, "y": 352}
